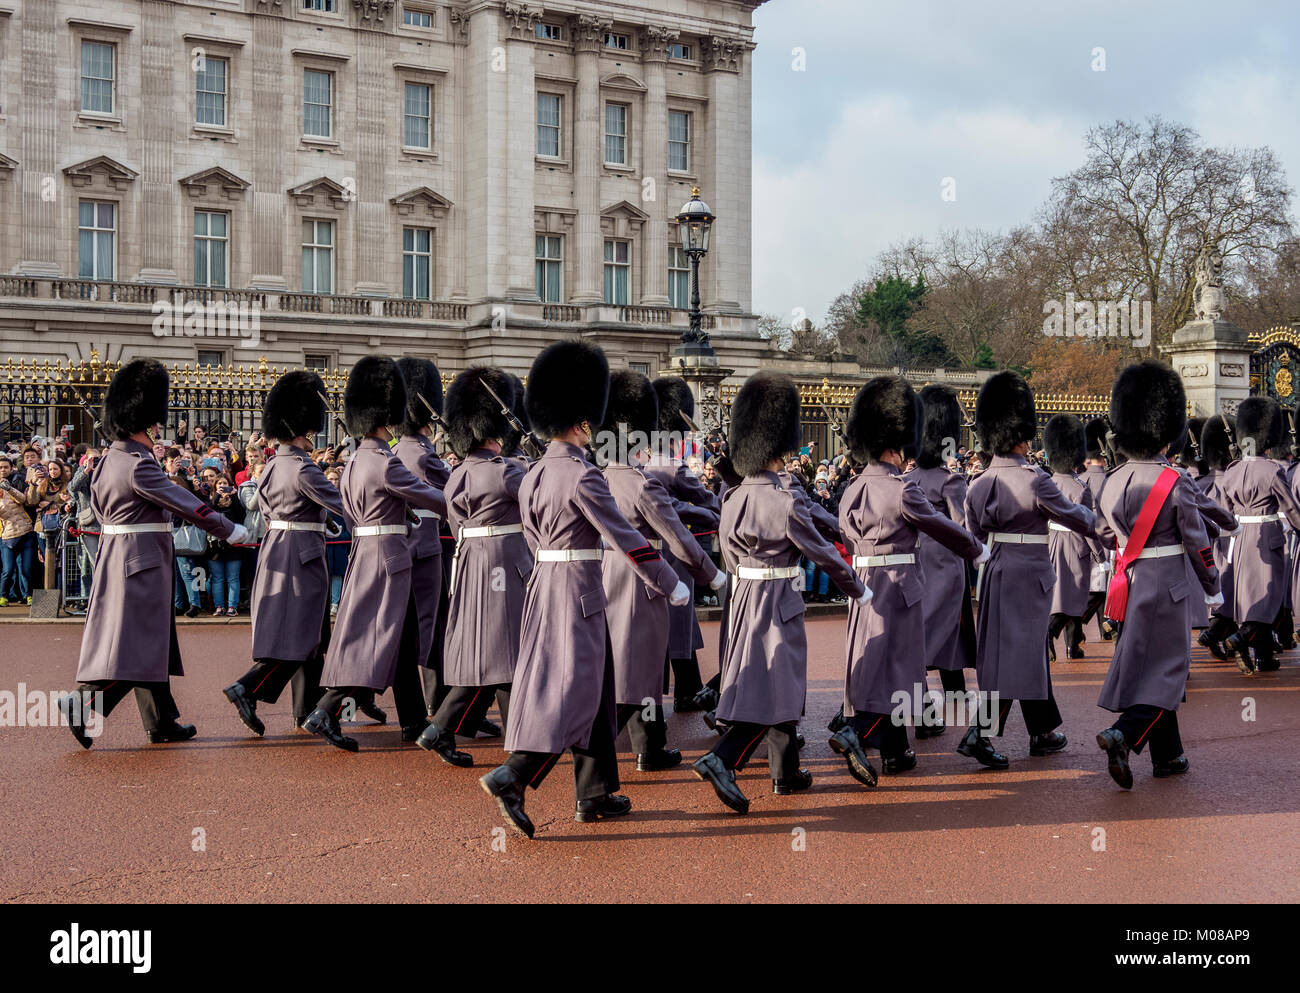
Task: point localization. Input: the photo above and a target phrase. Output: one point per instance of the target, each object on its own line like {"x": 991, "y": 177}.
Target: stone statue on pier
{"x": 1209, "y": 296}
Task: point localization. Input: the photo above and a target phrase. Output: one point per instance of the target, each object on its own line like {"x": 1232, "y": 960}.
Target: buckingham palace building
{"x": 212, "y": 182}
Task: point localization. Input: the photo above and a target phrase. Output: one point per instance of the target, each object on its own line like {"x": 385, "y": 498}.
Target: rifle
{"x": 347, "y": 435}
{"x": 437, "y": 418}
{"x": 1234, "y": 450}
{"x": 532, "y": 444}
{"x": 836, "y": 428}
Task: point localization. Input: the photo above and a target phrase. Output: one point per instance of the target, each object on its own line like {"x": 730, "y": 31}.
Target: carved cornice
{"x": 589, "y": 31}
{"x": 719, "y": 54}
{"x": 232, "y": 186}
{"x": 110, "y": 172}
{"x": 321, "y": 188}
{"x": 459, "y": 18}
{"x": 375, "y": 10}
{"x": 521, "y": 19}
{"x": 654, "y": 40}
{"x": 431, "y": 202}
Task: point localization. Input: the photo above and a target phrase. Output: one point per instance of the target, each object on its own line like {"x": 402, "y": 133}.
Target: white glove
{"x": 239, "y": 536}
{"x": 983, "y": 556}
{"x": 680, "y": 594}
{"x": 718, "y": 581}
{"x": 1214, "y": 601}
{"x": 865, "y": 599}
{"x": 1231, "y": 534}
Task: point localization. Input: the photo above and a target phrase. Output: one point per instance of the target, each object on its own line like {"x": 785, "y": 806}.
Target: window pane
{"x": 424, "y": 240}
{"x": 324, "y": 233}
{"x": 86, "y": 214}
{"x": 323, "y": 280}
{"x": 218, "y": 225}
{"x": 308, "y": 269}
{"x": 609, "y": 251}
{"x": 408, "y": 239}
{"x": 622, "y": 248}
{"x": 200, "y": 262}
{"x": 104, "y": 257}
{"x": 408, "y": 276}
{"x": 85, "y": 254}
{"x": 217, "y": 266}
{"x": 200, "y": 222}
{"x": 106, "y": 215}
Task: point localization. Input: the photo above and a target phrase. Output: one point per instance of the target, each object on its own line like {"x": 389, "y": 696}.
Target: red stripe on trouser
{"x": 473, "y": 701}
{"x": 274, "y": 665}
{"x": 748, "y": 750}
{"x": 546, "y": 767}
{"x": 1149, "y": 727}
{"x": 864, "y": 736}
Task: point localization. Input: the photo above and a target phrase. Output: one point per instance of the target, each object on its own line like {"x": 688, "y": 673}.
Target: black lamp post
{"x": 694, "y": 222}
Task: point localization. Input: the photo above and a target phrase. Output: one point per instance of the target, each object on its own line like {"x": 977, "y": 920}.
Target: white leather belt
{"x": 1162, "y": 552}
{"x": 657, "y": 544}
{"x": 1017, "y": 539}
{"x": 1058, "y": 527}
{"x": 371, "y": 530}
{"x": 1261, "y": 519}
{"x": 491, "y": 530}
{"x": 871, "y": 561}
{"x": 296, "y": 526}
{"x": 776, "y": 572}
{"x": 426, "y": 514}
{"x": 569, "y": 554}
{"x": 135, "y": 529}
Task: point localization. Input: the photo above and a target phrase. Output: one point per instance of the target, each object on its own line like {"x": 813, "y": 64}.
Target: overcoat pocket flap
{"x": 311, "y": 550}
{"x": 1178, "y": 591}
{"x": 397, "y": 562}
{"x": 592, "y": 602}
{"x": 1047, "y": 582}
{"x": 790, "y": 607}
{"x": 912, "y": 591}
{"x": 1277, "y": 539}
{"x": 152, "y": 558}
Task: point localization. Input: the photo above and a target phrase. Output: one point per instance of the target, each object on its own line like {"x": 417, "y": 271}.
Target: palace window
{"x": 317, "y": 256}
{"x": 96, "y": 240}
{"x": 619, "y": 41}
{"x": 211, "y": 248}
{"x": 618, "y": 268}
{"x": 616, "y": 134}
{"x": 417, "y": 263}
{"x": 679, "y": 278}
{"x": 550, "y": 267}
{"x": 417, "y": 18}
{"x": 679, "y": 141}
{"x": 418, "y": 126}
{"x": 98, "y": 77}
{"x": 317, "y": 103}
{"x": 210, "y": 88}
{"x": 549, "y": 125}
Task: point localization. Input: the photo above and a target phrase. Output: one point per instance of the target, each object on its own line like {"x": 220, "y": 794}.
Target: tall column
{"x": 459, "y": 246}
{"x": 375, "y": 99}
{"x": 41, "y": 36}
{"x": 158, "y": 211}
{"x": 654, "y": 44}
{"x": 520, "y": 142}
{"x": 725, "y": 178}
{"x": 588, "y": 35}
{"x": 270, "y": 128}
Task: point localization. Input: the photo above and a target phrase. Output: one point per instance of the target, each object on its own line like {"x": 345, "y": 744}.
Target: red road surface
{"x": 287, "y": 818}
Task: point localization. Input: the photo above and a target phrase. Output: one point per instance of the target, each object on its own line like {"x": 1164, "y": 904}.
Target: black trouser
{"x": 880, "y": 732}
{"x": 648, "y": 735}
{"x": 1285, "y": 626}
{"x": 1096, "y": 601}
{"x": 1258, "y": 635}
{"x": 1072, "y": 626}
{"x": 1220, "y": 627}
{"x": 595, "y": 768}
{"x": 1041, "y": 716}
{"x": 435, "y": 690}
{"x": 266, "y": 680}
{"x": 463, "y": 708}
{"x": 952, "y": 681}
{"x": 715, "y": 683}
{"x": 408, "y": 693}
{"x": 738, "y": 744}
{"x": 686, "y": 677}
{"x": 157, "y": 706}
{"x": 1144, "y": 722}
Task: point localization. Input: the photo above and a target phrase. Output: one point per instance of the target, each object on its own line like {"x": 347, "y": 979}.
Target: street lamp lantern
{"x": 694, "y": 222}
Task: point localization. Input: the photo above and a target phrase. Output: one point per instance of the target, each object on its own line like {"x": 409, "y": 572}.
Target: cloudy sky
{"x": 897, "y": 95}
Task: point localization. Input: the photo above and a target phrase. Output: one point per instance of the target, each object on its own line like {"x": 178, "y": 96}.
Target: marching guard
{"x": 490, "y": 565}
{"x": 376, "y": 613}
{"x": 1009, "y": 506}
{"x": 1094, "y": 477}
{"x": 291, "y": 591}
{"x": 1072, "y": 555}
{"x": 946, "y": 609}
{"x": 563, "y": 695}
{"x": 676, "y": 406}
{"x": 128, "y": 642}
{"x": 1257, "y": 492}
{"x": 1150, "y": 505}
{"x": 638, "y": 616}
{"x": 764, "y": 533}
{"x": 882, "y": 513}
{"x": 426, "y": 620}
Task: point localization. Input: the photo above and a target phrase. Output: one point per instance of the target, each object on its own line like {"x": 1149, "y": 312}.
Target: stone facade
{"x": 318, "y": 115}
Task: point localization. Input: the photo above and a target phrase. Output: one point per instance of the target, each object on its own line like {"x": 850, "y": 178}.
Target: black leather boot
{"x": 981, "y": 749}
{"x": 443, "y": 744}
{"x": 322, "y": 725}
{"x": 504, "y": 786}
{"x": 246, "y": 706}
{"x": 1111, "y": 741}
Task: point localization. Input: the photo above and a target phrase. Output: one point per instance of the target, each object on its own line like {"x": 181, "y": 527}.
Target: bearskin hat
{"x": 294, "y": 406}
{"x": 375, "y": 396}
{"x": 1004, "y": 413}
{"x": 1286, "y": 447}
{"x": 422, "y": 380}
{"x": 941, "y": 425}
{"x": 886, "y": 415}
{"x": 675, "y": 399}
{"x": 1148, "y": 408}
{"x": 764, "y": 422}
{"x": 1187, "y": 449}
{"x": 1063, "y": 443}
{"x": 633, "y": 401}
{"x": 1217, "y": 440}
{"x": 1095, "y": 437}
{"x": 568, "y": 384}
{"x": 1261, "y": 424}
{"x": 472, "y": 416}
{"x": 136, "y": 399}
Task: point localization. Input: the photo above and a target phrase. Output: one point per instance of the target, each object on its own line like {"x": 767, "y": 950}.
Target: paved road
{"x": 286, "y": 818}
